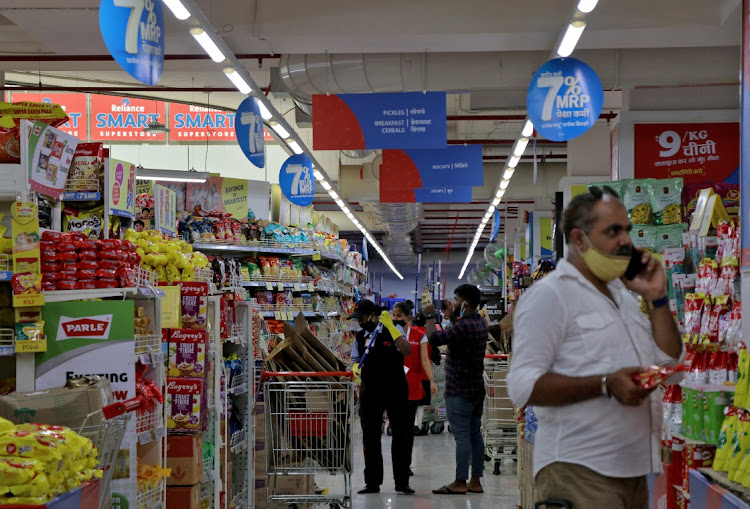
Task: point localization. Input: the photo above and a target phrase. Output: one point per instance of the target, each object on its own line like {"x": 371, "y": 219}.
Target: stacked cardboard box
{"x": 526, "y": 492}
{"x": 185, "y": 459}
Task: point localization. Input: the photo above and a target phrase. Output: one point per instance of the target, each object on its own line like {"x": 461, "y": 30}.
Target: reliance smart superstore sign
{"x": 115, "y": 118}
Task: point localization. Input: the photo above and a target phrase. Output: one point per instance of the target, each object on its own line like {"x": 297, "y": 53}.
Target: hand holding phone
{"x": 636, "y": 265}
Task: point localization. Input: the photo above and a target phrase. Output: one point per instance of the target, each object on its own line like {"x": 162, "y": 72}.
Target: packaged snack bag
{"x": 715, "y": 402}
{"x": 669, "y": 236}
{"x": 10, "y": 121}
{"x": 666, "y": 200}
{"x": 635, "y": 196}
{"x": 87, "y": 169}
{"x": 644, "y": 237}
{"x": 87, "y": 221}
{"x": 194, "y": 304}
{"x": 184, "y": 403}
{"x": 727, "y": 435}
{"x": 187, "y": 353}
{"x": 654, "y": 375}
{"x": 739, "y": 446}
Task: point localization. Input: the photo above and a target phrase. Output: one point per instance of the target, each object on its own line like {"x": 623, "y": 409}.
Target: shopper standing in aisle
{"x": 417, "y": 365}
{"x": 384, "y": 389}
{"x": 579, "y": 336}
{"x": 464, "y": 385}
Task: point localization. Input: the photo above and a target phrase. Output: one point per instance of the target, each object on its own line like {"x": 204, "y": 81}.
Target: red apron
{"x": 414, "y": 362}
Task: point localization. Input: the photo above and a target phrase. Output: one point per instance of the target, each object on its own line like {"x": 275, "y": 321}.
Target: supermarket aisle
{"x": 434, "y": 465}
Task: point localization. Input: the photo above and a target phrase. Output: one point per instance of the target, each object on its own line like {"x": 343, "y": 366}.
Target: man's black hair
{"x": 580, "y": 211}
{"x": 139, "y": 221}
{"x": 470, "y": 294}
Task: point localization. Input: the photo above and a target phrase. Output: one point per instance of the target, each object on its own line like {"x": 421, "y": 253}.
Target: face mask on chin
{"x": 370, "y": 326}
{"x": 605, "y": 267}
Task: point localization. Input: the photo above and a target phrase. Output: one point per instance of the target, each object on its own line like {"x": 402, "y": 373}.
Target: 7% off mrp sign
{"x": 565, "y": 99}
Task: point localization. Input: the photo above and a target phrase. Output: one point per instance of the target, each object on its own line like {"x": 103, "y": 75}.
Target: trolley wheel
{"x": 389, "y": 430}
{"x": 496, "y": 471}
{"x": 437, "y": 428}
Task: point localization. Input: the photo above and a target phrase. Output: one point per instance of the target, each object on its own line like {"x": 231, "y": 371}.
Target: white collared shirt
{"x": 564, "y": 325}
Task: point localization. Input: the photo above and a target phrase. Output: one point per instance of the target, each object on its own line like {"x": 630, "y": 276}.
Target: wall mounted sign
{"x": 565, "y": 99}
{"x": 372, "y": 121}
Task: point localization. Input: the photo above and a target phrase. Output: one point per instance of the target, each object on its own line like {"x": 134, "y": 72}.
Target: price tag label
{"x": 157, "y": 357}
{"x": 297, "y": 287}
{"x": 31, "y": 346}
{"x": 280, "y": 286}
{"x": 144, "y": 438}
{"x": 290, "y": 316}
{"x": 310, "y": 287}
{"x": 316, "y": 257}
{"x": 144, "y": 358}
{"x": 269, "y": 286}
{"x": 277, "y": 315}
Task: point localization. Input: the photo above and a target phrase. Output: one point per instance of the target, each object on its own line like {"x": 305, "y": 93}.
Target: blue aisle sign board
{"x": 495, "y": 225}
{"x": 455, "y": 165}
{"x": 565, "y": 99}
{"x": 248, "y": 126}
{"x": 379, "y": 121}
{"x": 443, "y": 195}
{"x": 133, "y": 31}
{"x": 297, "y": 181}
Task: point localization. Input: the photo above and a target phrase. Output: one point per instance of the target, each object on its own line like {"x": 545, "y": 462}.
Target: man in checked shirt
{"x": 464, "y": 386}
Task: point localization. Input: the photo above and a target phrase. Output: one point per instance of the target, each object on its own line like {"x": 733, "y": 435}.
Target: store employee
{"x": 384, "y": 389}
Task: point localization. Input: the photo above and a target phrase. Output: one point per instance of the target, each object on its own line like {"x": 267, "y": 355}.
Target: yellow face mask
{"x": 605, "y": 266}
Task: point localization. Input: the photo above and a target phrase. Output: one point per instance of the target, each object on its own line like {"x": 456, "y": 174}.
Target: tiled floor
{"x": 433, "y": 463}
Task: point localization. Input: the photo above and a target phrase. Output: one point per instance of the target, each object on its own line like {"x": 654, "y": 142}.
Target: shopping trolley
{"x": 107, "y": 437}
{"x": 309, "y": 419}
{"x": 499, "y": 425}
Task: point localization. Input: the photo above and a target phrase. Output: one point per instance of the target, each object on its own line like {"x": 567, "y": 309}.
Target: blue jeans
{"x": 465, "y": 418}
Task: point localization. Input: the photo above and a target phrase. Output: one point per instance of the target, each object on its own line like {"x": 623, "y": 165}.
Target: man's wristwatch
{"x": 429, "y": 317}
{"x": 605, "y": 392}
{"x": 660, "y": 302}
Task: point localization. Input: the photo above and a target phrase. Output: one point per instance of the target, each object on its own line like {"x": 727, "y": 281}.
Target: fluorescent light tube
{"x": 520, "y": 147}
{"x": 528, "y": 129}
{"x": 263, "y": 110}
{"x": 513, "y": 161}
{"x": 570, "y": 39}
{"x": 496, "y": 201}
{"x": 325, "y": 185}
{"x": 208, "y": 44}
{"x": 179, "y": 10}
{"x": 318, "y": 176}
{"x": 280, "y": 130}
{"x": 340, "y": 203}
{"x": 295, "y": 147}
{"x": 508, "y": 173}
{"x": 333, "y": 194}
{"x": 586, "y": 6}
{"x": 235, "y": 78}
{"x": 500, "y": 192}
{"x": 504, "y": 184}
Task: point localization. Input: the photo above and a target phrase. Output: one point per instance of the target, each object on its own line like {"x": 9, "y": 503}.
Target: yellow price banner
{"x": 31, "y": 346}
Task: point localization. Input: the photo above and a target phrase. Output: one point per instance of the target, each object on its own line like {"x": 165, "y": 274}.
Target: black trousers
{"x": 374, "y": 399}
{"x": 411, "y": 415}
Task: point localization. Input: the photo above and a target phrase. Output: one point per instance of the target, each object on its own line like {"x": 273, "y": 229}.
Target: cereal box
{"x": 187, "y": 352}
{"x": 184, "y": 403}
{"x": 194, "y": 298}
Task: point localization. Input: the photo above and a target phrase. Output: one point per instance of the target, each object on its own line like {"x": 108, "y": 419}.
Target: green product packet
{"x": 713, "y": 414}
{"x": 666, "y": 200}
{"x": 669, "y": 236}
{"x": 696, "y": 401}
{"x": 644, "y": 237}
{"x": 636, "y": 197}
{"x": 687, "y": 412}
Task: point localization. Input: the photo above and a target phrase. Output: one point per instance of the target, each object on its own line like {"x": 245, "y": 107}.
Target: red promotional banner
{"x": 695, "y": 152}
{"x": 73, "y": 104}
{"x": 123, "y": 119}
{"x": 188, "y": 122}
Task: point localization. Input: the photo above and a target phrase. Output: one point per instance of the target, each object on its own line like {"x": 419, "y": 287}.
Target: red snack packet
{"x": 87, "y": 284}
{"x": 654, "y": 375}
{"x": 105, "y": 274}
{"x": 49, "y": 286}
{"x": 51, "y": 236}
{"x": 86, "y": 274}
{"x": 87, "y": 265}
{"x": 66, "y": 285}
{"x": 65, "y": 275}
{"x": 107, "y": 283}
{"x": 66, "y": 246}
{"x": 88, "y": 256}
{"x": 67, "y": 256}
{"x": 109, "y": 265}
{"x": 49, "y": 277}
{"x": 48, "y": 267}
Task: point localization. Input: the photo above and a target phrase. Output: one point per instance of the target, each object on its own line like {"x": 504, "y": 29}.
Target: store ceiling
{"x": 631, "y": 44}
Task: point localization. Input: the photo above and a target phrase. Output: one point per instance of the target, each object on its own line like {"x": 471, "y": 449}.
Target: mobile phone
{"x": 636, "y": 266}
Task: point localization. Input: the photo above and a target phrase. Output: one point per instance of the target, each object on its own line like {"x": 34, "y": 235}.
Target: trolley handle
{"x": 306, "y": 374}
{"x": 496, "y": 356}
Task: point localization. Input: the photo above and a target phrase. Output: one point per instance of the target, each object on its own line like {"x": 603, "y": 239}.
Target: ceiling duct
{"x": 304, "y": 75}
{"x": 402, "y": 219}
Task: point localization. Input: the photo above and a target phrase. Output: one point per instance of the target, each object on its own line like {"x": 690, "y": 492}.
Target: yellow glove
{"x": 357, "y": 370}
{"x": 385, "y": 319}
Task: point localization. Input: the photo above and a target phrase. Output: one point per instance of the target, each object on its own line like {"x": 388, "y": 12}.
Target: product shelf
{"x": 99, "y": 293}
{"x": 270, "y": 247}
{"x": 152, "y": 497}
{"x": 6, "y": 272}
{"x": 709, "y": 387}
{"x": 238, "y": 441}
{"x": 239, "y": 385}
{"x": 240, "y": 499}
{"x": 148, "y": 348}
{"x": 149, "y": 425}
{"x": 7, "y": 343}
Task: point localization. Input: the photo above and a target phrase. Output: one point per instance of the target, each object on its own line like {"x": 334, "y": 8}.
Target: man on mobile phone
{"x": 464, "y": 386}
{"x": 579, "y": 336}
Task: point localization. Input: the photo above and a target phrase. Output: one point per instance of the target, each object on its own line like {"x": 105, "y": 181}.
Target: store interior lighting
{"x": 570, "y": 39}
{"x": 179, "y": 10}
{"x": 280, "y": 131}
{"x": 333, "y": 194}
{"x": 295, "y": 147}
{"x": 171, "y": 175}
{"x": 199, "y": 26}
{"x": 208, "y": 44}
{"x": 572, "y": 34}
{"x": 235, "y": 78}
